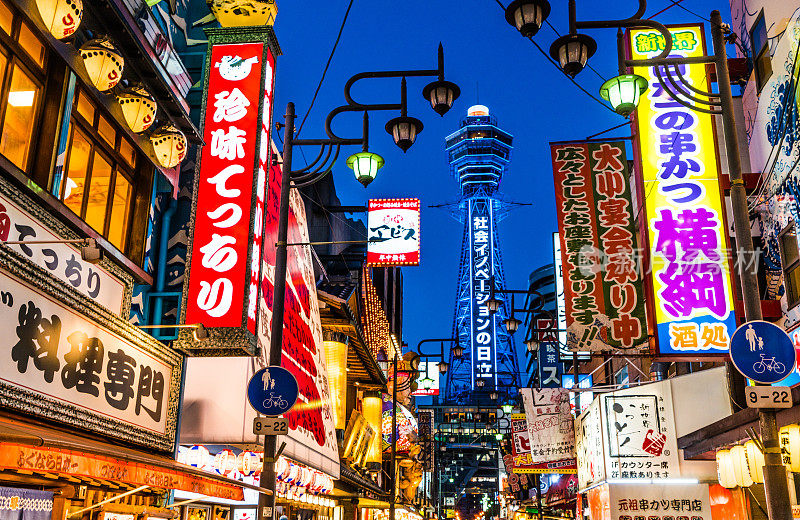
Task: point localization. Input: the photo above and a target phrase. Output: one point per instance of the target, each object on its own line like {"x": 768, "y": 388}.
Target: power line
{"x": 677, "y": 3}
{"x": 325, "y": 70}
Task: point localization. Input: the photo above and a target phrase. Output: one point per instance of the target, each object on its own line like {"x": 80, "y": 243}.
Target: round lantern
{"x": 755, "y": 462}
{"x": 725, "y": 473}
{"x": 306, "y": 475}
{"x": 197, "y": 456}
{"x": 248, "y": 463}
{"x": 237, "y": 13}
{"x": 169, "y": 144}
{"x": 138, "y": 108}
{"x": 281, "y": 468}
{"x": 293, "y": 476}
{"x": 790, "y": 447}
{"x": 61, "y": 17}
{"x": 740, "y": 470}
{"x": 103, "y": 63}
{"x": 225, "y": 462}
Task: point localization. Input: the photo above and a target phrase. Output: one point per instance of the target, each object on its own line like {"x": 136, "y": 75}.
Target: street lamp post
{"x": 403, "y": 129}
{"x": 775, "y": 481}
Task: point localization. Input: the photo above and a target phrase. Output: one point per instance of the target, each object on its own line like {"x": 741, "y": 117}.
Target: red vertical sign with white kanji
{"x": 219, "y": 272}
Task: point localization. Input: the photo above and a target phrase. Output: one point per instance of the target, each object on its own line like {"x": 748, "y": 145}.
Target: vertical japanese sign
{"x": 561, "y": 304}
{"x": 481, "y": 269}
{"x": 311, "y": 426}
{"x": 550, "y": 428}
{"x": 221, "y": 288}
{"x": 602, "y": 275}
{"x": 690, "y": 269}
{"x": 550, "y": 367}
{"x": 393, "y": 232}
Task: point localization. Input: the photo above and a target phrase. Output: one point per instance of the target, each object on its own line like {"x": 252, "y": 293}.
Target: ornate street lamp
{"x": 571, "y": 51}
{"x": 458, "y": 351}
{"x": 532, "y": 345}
{"x": 480, "y": 383}
{"x": 624, "y": 92}
{"x": 512, "y": 324}
{"x": 365, "y": 166}
{"x": 493, "y": 304}
{"x": 493, "y": 395}
{"x": 443, "y": 365}
{"x": 441, "y": 93}
{"x": 508, "y": 408}
{"x": 527, "y": 15}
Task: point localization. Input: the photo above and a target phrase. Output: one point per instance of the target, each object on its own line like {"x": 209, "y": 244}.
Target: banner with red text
{"x": 550, "y": 427}
{"x": 600, "y": 265}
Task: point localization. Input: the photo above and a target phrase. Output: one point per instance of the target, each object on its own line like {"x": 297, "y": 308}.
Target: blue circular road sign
{"x": 763, "y": 352}
{"x": 272, "y": 391}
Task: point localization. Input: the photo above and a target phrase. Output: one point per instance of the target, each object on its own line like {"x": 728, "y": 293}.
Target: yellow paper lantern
{"x": 243, "y": 13}
{"x": 138, "y": 108}
{"x": 740, "y": 470}
{"x": 169, "y": 143}
{"x": 755, "y": 462}
{"x": 790, "y": 447}
{"x": 725, "y": 473}
{"x": 372, "y": 410}
{"x": 61, "y": 17}
{"x": 336, "y": 364}
{"x": 103, "y": 63}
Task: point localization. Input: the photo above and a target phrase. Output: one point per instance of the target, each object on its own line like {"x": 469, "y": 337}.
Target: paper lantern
{"x": 740, "y": 470}
{"x": 306, "y": 475}
{"x": 725, "y": 474}
{"x": 371, "y": 408}
{"x": 755, "y": 462}
{"x": 169, "y": 144}
{"x": 281, "y": 468}
{"x": 197, "y": 456}
{"x": 293, "y": 476}
{"x": 225, "y": 462}
{"x": 248, "y": 463}
{"x": 790, "y": 447}
{"x": 239, "y": 13}
{"x": 138, "y": 108}
{"x": 336, "y": 364}
{"x": 61, "y": 17}
{"x": 103, "y": 63}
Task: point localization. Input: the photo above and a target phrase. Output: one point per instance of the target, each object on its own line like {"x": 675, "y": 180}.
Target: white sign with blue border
{"x": 763, "y": 352}
{"x": 272, "y": 391}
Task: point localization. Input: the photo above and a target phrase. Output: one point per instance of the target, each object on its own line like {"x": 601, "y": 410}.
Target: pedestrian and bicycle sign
{"x": 272, "y": 391}
{"x": 763, "y": 352}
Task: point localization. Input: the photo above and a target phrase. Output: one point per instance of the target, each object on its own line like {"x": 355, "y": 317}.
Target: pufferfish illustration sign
{"x": 393, "y": 232}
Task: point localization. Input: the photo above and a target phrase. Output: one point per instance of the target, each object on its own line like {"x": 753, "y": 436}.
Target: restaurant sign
{"x": 222, "y": 279}
{"x": 91, "y": 369}
{"x": 601, "y": 269}
{"x": 690, "y": 271}
{"x": 393, "y": 232}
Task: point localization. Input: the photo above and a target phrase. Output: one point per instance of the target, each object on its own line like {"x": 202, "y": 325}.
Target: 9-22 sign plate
{"x": 768, "y": 397}
{"x": 270, "y": 426}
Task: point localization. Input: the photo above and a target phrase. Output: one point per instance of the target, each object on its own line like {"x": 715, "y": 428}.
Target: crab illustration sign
{"x": 272, "y": 391}
{"x": 393, "y": 232}
{"x": 763, "y": 352}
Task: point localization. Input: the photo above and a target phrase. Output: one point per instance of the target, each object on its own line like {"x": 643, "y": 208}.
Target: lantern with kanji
{"x": 725, "y": 473}
{"x": 61, "y": 17}
{"x": 138, "y": 108}
{"x": 225, "y": 462}
{"x": 103, "y": 62}
{"x": 197, "y": 456}
{"x": 248, "y": 463}
{"x": 169, "y": 144}
{"x": 790, "y": 446}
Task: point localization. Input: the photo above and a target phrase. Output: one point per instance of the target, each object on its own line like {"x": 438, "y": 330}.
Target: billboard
{"x": 393, "y": 232}
{"x": 221, "y": 288}
{"x": 601, "y": 270}
{"x": 428, "y": 380}
{"x": 679, "y": 169}
{"x": 483, "y": 331}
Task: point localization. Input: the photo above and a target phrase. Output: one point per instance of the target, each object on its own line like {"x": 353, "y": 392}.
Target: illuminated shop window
{"x": 22, "y": 62}
{"x": 790, "y": 261}
{"x": 100, "y": 173}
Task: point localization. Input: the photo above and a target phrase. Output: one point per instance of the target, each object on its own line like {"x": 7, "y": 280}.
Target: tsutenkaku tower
{"x": 479, "y": 153}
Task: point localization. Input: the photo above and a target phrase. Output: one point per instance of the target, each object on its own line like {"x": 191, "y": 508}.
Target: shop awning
{"x": 703, "y": 443}
{"x": 27, "y": 448}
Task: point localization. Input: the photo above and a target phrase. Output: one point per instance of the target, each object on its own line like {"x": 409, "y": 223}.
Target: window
{"x": 760, "y": 46}
{"x": 22, "y": 77}
{"x": 100, "y": 172}
{"x": 790, "y": 262}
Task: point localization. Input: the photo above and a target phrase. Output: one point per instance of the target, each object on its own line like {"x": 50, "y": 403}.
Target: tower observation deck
{"x": 479, "y": 153}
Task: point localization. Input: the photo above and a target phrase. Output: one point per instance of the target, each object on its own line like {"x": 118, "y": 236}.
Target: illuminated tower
{"x": 479, "y": 153}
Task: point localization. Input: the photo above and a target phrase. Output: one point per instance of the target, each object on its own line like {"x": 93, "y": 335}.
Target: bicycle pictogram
{"x": 275, "y": 401}
{"x": 770, "y": 364}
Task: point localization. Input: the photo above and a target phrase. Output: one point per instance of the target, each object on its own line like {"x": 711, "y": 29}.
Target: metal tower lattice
{"x": 479, "y": 154}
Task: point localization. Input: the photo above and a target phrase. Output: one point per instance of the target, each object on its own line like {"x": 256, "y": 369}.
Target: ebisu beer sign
{"x": 685, "y": 223}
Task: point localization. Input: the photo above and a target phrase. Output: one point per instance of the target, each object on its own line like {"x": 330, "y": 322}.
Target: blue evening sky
{"x": 492, "y": 64}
